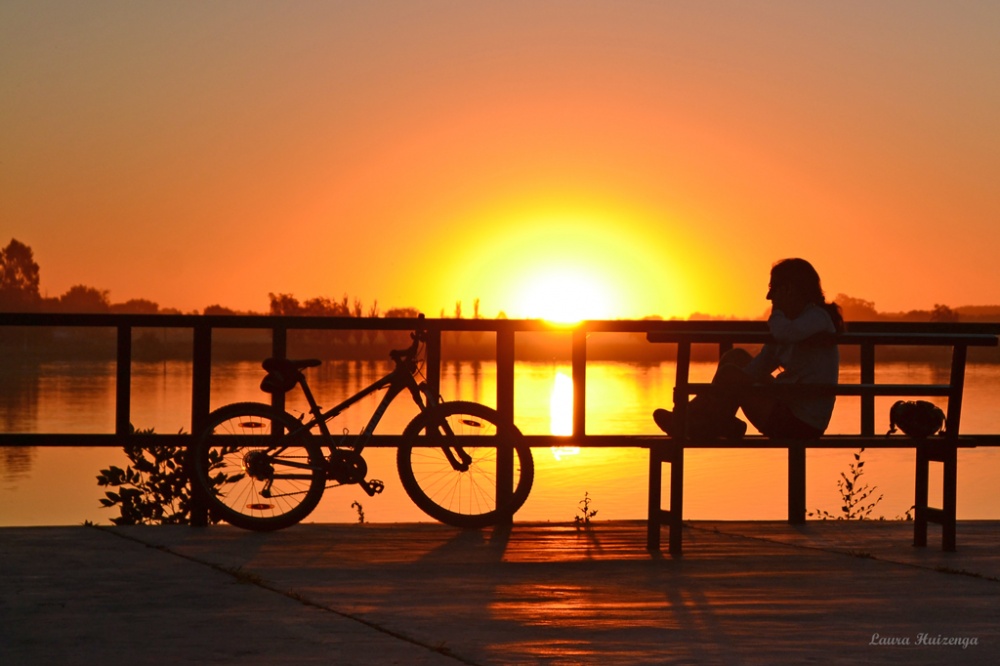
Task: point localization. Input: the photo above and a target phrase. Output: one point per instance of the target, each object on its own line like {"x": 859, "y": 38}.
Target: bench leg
{"x": 655, "y": 499}
{"x": 920, "y": 497}
{"x": 656, "y": 515}
{"x": 949, "y": 503}
{"x": 676, "y": 517}
{"x": 796, "y": 484}
{"x": 946, "y": 454}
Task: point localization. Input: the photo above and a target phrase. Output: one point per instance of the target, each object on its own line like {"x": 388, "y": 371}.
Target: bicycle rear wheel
{"x": 252, "y": 474}
{"x": 457, "y": 484}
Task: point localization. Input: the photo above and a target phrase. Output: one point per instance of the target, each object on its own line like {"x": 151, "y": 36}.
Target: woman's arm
{"x": 813, "y": 320}
{"x": 764, "y": 363}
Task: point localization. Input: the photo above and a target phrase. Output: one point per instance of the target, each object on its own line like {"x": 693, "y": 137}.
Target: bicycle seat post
{"x": 314, "y": 408}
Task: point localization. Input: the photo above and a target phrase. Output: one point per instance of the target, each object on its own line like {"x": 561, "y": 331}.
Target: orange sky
{"x": 611, "y": 159}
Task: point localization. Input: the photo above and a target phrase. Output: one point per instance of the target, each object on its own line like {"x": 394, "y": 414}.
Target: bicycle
{"x": 261, "y": 468}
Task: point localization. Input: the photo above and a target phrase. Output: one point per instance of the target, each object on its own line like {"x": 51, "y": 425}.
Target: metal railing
{"x": 203, "y": 327}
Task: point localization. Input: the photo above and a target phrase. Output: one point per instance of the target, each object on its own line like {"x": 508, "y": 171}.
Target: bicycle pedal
{"x": 373, "y": 487}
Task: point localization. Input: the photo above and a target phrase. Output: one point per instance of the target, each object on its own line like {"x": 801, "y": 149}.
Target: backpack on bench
{"x": 917, "y": 418}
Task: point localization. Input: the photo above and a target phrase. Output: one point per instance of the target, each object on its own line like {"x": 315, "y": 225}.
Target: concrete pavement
{"x": 768, "y": 592}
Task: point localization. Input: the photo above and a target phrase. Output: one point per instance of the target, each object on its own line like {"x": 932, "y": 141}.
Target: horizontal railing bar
{"x": 839, "y": 389}
{"x": 657, "y": 330}
{"x": 914, "y": 339}
{"x": 533, "y": 441}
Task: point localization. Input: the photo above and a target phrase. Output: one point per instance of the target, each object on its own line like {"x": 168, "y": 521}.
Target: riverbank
{"x": 753, "y": 592}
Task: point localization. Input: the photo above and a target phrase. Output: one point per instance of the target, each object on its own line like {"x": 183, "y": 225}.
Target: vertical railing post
{"x": 957, "y": 388}
{"x": 433, "y": 366}
{"x": 868, "y": 400}
{"x": 200, "y": 407}
{"x": 505, "y": 407}
{"x": 279, "y": 349}
{"x": 682, "y": 378}
{"x": 949, "y": 452}
{"x": 123, "y": 381}
{"x": 579, "y": 382}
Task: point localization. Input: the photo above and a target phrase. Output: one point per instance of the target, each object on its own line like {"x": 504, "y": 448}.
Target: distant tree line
{"x": 20, "y": 281}
{"x": 20, "y": 292}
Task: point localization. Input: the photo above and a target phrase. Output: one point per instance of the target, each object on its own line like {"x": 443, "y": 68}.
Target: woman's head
{"x": 794, "y": 285}
{"x": 797, "y": 276}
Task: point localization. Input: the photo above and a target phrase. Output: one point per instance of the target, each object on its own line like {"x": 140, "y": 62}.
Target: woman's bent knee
{"x": 738, "y": 357}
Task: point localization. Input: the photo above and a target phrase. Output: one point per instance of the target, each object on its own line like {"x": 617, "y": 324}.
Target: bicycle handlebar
{"x": 418, "y": 335}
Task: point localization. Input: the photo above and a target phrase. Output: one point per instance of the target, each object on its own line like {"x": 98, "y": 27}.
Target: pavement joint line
{"x": 848, "y": 553}
{"x": 245, "y": 577}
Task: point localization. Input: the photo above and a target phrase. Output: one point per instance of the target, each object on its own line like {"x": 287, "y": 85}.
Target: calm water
{"x": 57, "y": 486}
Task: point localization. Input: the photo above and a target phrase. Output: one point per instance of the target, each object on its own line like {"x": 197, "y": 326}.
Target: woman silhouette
{"x": 803, "y": 327}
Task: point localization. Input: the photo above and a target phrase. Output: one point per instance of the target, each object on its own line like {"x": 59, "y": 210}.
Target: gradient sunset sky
{"x": 600, "y": 159}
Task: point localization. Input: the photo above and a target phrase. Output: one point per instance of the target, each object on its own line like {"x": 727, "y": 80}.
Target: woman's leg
{"x": 736, "y": 392}
{"x": 714, "y": 414}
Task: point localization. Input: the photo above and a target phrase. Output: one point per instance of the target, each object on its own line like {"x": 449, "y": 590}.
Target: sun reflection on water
{"x": 561, "y": 414}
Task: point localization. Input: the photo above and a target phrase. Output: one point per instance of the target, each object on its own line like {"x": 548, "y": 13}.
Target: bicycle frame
{"x": 399, "y": 379}
{"x": 277, "y": 467}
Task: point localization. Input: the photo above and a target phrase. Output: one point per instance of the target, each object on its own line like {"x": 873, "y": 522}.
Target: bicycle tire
{"x": 231, "y": 473}
{"x": 463, "y": 498}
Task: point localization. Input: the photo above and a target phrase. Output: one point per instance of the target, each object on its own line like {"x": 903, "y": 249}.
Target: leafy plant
{"x": 856, "y": 497}
{"x": 586, "y": 513}
{"x": 154, "y": 489}
{"x": 361, "y": 511}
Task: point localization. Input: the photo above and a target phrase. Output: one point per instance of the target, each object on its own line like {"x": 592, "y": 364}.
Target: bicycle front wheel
{"x": 457, "y": 483}
{"x": 252, "y": 473}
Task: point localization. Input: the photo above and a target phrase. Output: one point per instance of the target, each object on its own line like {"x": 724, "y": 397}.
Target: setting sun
{"x": 581, "y": 256}
{"x": 564, "y": 296}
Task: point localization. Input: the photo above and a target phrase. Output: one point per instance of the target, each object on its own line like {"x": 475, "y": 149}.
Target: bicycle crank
{"x": 347, "y": 467}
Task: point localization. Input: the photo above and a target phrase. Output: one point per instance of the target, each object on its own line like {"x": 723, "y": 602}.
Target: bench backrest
{"x": 865, "y": 335}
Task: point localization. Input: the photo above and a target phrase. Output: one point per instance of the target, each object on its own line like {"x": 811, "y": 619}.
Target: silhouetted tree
{"x": 136, "y": 306}
{"x": 81, "y": 298}
{"x": 402, "y": 312}
{"x": 856, "y": 309}
{"x": 19, "y": 277}
{"x": 943, "y": 313}
{"x": 284, "y": 304}
{"x": 219, "y": 310}
{"x": 321, "y": 306}
{"x": 371, "y": 334}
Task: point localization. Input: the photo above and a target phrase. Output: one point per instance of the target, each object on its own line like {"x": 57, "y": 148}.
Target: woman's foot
{"x": 729, "y": 428}
{"x": 664, "y": 419}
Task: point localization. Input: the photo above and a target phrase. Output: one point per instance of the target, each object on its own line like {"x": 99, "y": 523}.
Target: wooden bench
{"x": 867, "y": 337}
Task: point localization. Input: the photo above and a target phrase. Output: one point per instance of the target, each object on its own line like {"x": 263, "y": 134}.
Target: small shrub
{"x": 586, "y": 513}
{"x": 361, "y": 511}
{"x": 856, "y": 497}
{"x": 154, "y": 489}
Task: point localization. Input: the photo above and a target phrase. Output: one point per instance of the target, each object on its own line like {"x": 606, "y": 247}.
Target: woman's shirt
{"x": 802, "y": 361}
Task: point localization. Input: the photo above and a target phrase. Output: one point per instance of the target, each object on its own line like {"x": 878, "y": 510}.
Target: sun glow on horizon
{"x": 561, "y": 414}
{"x": 570, "y": 260}
{"x": 565, "y": 296}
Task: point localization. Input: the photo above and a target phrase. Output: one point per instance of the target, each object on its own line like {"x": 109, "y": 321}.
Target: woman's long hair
{"x": 802, "y": 274}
